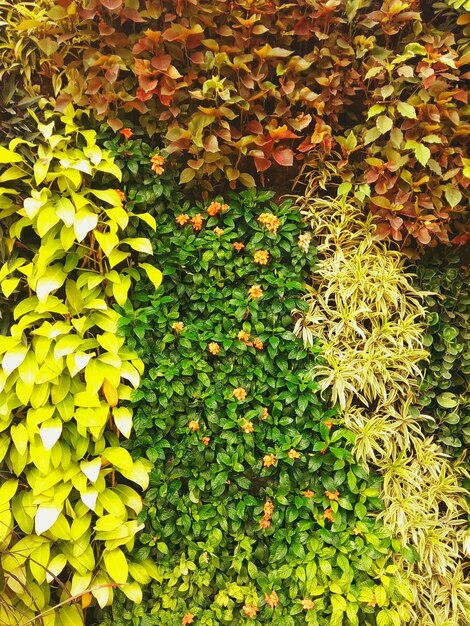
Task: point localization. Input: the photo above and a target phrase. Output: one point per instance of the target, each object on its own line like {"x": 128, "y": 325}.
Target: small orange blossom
{"x": 239, "y": 393}
{"x": 269, "y": 460}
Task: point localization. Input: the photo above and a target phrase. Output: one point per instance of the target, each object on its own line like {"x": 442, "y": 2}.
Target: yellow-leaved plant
{"x": 67, "y": 518}
{"x": 369, "y": 318}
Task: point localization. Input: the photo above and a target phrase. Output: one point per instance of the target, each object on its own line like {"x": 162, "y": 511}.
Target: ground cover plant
{"x": 256, "y": 511}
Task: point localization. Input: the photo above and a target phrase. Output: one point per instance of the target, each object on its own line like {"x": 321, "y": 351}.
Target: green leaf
{"x": 422, "y": 153}
{"x": 406, "y": 110}
{"x": 384, "y": 124}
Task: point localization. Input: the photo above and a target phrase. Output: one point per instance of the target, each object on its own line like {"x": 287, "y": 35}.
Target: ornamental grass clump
{"x": 369, "y": 318}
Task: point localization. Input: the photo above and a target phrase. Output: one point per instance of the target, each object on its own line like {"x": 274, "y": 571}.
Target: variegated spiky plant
{"x": 370, "y": 320}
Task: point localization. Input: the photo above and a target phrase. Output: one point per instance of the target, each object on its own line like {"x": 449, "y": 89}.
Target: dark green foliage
{"x": 445, "y": 388}
{"x": 205, "y": 503}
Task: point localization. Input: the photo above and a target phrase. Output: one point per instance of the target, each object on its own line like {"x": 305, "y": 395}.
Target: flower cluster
{"x": 188, "y": 618}
{"x": 332, "y": 495}
{"x": 246, "y": 338}
{"x": 216, "y": 207}
{"x": 272, "y": 599}
{"x": 304, "y": 241}
{"x": 250, "y": 610}
{"x": 126, "y": 133}
{"x": 197, "y": 221}
{"x": 261, "y": 257}
{"x": 182, "y": 219}
{"x": 247, "y": 427}
{"x": 239, "y": 393}
{"x": 255, "y": 292}
{"x": 293, "y": 454}
{"x": 307, "y": 604}
{"x": 269, "y": 220}
{"x": 178, "y": 327}
{"x": 122, "y": 196}
{"x": 158, "y": 164}
{"x": 268, "y": 510}
{"x": 214, "y": 348}
{"x": 269, "y": 460}
{"x": 328, "y": 515}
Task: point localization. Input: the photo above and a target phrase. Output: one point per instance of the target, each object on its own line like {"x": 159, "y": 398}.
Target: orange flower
{"x": 122, "y": 196}
{"x": 214, "y": 348}
{"x": 247, "y": 427}
{"x": 270, "y": 221}
{"x": 356, "y": 531}
{"x": 332, "y": 496}
{"x": 178, "y": 327}
{"x": 265, "y": 522}
{"x": 264, "y": 413}
{"x": 188, "y": 618}
{"x": 269, "y": 460}
{"x": 261, "y": 257}
{"x": 309, "y": 493}
{"x": 214, "y": 208}
{"x": 268, "y": 508}
{"x": 239, "y": 393}
{"x": 219, "y": 231}
{"x": 258, "y": 344}
{"x": 126, "y": 132}
{"x": 328, "y": 514}
{"x": 307, "y": 604}
{"x": 255, "y": 291}
{"x": 373, "y": 602}
{"x": 197, "y": 222}
{"x": 182, "y": 219}
{"x": 324, "y": 451}
{"x": 271, "y": 599}
{"x": 250, "y": 610}
{"x": 293, "y": 454}
{"x": 328, "y": 424}
{"x": 157, "y": 164}
{"x": 206, "y": 440}
{"x": 238, "y": 245}
{"x": 243, "y": 336}
{"x": 193, "y": 425}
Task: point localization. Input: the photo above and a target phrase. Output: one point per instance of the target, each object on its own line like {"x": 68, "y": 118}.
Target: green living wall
{"x": 222, "y": 404}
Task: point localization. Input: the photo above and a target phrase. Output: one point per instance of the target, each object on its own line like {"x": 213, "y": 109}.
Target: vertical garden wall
{"x": 234, "y": 306}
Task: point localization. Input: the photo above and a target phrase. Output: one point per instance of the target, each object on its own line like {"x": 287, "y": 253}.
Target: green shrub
{"x": 446, "y": 384}
{"x": 253, "y": 500}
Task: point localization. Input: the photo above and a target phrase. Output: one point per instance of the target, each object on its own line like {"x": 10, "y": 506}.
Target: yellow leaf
{"x": 116, "y": 565}
{"x": 111, "y": 394}
{"x": 122, "y": 417}
{"x": 153, "y": 273}
{"x": 46, "y": 516}
{"x": 50, "y": 432}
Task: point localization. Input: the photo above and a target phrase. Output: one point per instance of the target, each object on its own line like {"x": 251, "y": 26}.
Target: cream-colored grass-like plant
{"x": 369, "y": 318}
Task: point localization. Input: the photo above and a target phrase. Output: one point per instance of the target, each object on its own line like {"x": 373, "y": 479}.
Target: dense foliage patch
{"x": 256, "y": 512}
{"x": 366, "y": 95}
{"x": 368, "y": 315}
{"x": 445, "y": 388}
{"x": 66, "y": 519}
